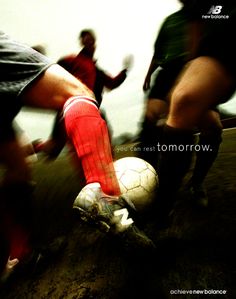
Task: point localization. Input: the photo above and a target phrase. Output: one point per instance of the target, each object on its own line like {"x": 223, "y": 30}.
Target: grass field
{"x": 195, "y": 256}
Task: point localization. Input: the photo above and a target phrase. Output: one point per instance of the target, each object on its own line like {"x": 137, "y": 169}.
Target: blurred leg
{"x": 151, "y": 132}
{"x": 49, "y": 91}
{"x": 16, "y": 198}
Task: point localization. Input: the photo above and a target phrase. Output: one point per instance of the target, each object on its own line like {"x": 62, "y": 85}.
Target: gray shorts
{"x": 19, "y": 67}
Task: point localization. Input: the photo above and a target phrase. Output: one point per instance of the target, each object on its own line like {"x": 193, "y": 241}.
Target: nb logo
{"x": 215, "y": 10}
{"x": 123, "y": 213}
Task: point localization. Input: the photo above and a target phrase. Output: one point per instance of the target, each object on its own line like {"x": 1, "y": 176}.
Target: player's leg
{"x": 203, "y": 84}
{"x": 88, "y": 132}
{"x": 16, "y": 202}
{"x": 53, "y": 88}
{"x": 4, "y": 241}
{"x": 17, "y": 168}
{"x": 100, "y": 199}
{"x": 34, "y": 83}
{"x": 16, "y": 225}
{"x": 53, "y": 146}
{"x": 51, "y": 91}
{"x": 156, "y": 111}
{"x": 209, "y": 142}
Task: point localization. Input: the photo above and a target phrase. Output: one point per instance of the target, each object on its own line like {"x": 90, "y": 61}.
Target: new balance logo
{"x": 215, "y": 10}
{"x": 124, "y": 214}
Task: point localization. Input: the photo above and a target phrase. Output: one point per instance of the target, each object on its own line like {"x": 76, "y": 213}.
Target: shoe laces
{"x": 116, "y": 210}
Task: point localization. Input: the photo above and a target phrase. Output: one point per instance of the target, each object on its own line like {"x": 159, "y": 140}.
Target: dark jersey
{"x": 171, "y": 45}
{"x": 218, "y": 20}
{"x": 171, "y": 52}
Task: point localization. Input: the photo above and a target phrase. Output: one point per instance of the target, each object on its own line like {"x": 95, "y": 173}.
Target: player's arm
{"x": 66, "y": 62}
{"x": 154, "y": 64}
{"x": 113, "y": 82}
{"x": 152, "y": 67}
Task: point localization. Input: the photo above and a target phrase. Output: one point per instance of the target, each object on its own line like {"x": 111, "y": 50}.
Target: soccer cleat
{"x": 110, "y": 214}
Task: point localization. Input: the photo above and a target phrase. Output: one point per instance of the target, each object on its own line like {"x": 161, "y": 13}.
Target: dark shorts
{"x": 163, "y": 83}
{"x": 19, "y": 67}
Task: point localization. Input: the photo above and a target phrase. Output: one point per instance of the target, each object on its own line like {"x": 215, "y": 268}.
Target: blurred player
{"x": 173, "y": 48}
{"x": 27, "y": 78}
{"x": 208, "y": 79}
{"x": 84, "y": 67}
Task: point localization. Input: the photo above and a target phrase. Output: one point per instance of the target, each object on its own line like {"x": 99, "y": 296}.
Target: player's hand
{"x": 128, "y": 62}
{"x": 146, "y": 84}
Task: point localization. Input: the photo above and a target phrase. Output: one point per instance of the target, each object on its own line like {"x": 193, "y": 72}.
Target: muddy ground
{"x": 196, "y": 254}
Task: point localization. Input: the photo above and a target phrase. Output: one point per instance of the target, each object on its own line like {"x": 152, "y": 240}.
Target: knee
{"x": 184, "y": 110}
{"x": 181, "y": 101}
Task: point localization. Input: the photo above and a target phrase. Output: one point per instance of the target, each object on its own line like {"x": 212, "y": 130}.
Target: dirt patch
{"x": 197, "y": 253}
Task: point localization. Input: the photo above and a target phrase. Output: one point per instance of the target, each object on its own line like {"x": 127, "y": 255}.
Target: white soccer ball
{"x": 138, "y": 181}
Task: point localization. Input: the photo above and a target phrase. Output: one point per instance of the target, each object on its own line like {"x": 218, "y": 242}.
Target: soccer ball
{"x": 138, "y": 181}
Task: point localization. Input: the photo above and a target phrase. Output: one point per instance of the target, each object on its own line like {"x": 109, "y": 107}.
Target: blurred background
{"x": 122, "y": 28}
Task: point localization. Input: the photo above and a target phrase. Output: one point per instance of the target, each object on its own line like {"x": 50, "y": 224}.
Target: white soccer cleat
{"x": 94, "y": 205}
{"x": 111, "y": 214}
{"x": 88, "y": 196}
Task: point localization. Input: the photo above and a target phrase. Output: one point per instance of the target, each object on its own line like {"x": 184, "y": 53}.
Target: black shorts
{"x": 19, "y": 66}
{"x": 164, "y": 81}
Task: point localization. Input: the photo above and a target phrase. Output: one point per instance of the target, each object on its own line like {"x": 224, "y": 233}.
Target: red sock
{"x": 20, "y": 247}
{"x": 89, "y": 135}
{"x": 18, "y": 238}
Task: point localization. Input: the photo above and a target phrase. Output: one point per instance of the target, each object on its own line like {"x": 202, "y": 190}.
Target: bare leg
{"x": 51, "y": 91}
{"x": 203, "y": 84}
{"x": 53, "y": 88}
{"x": 156, "y": 109}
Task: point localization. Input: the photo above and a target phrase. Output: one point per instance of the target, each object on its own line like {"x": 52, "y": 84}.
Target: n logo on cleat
{"x": 124, "y": 214}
